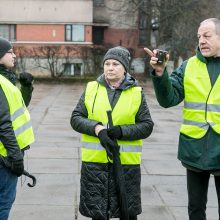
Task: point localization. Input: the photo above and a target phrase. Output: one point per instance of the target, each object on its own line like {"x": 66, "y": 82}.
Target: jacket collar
{"x": 8, "y": 74}
{"x": 205, "y": 59}
{"x": 128, "y": 82}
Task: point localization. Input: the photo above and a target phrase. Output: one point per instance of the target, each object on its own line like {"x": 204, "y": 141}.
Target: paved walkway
{"x": 55, "y": 160}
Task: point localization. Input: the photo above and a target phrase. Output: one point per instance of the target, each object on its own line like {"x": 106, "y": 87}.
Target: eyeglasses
{"x": 11, "y": 52}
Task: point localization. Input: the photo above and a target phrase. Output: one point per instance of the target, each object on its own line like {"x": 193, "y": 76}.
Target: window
{"x": 8, "y": 31}
{"x": 75, "y": 33}
{"x": 98, "y": 35}
{"x": 72, "y": 69}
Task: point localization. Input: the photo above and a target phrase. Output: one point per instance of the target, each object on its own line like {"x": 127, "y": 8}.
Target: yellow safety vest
{"x": 97, "y": 104}
{"x": 202, "y": 101}
{"x": 20, "y": 117}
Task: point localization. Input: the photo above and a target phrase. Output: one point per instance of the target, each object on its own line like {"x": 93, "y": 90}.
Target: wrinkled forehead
{"x": 207, "y": 27}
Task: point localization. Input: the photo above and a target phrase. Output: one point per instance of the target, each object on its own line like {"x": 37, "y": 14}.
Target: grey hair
{"x": 216, "y": 22}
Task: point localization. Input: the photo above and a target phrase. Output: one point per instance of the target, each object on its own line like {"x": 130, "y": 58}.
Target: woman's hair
{"x": 216, "y": 22}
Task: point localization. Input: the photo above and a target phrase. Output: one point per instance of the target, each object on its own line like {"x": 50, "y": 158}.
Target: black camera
{"x": 161, "y": 55}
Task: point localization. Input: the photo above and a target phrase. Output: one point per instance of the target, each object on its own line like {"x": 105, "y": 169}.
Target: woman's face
{"x": 113, "y": 70}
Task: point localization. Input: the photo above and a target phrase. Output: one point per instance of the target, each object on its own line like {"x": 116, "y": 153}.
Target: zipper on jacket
{"x": 93, "y": 104}
{"x": 112, "y": 101}
{"x": 206, "y": 106}
{"x": 205, "y": 156}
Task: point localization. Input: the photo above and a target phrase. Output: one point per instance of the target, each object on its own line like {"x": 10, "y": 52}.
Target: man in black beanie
{"x": 16, "y": 132}
{"x": 5, "y": 46}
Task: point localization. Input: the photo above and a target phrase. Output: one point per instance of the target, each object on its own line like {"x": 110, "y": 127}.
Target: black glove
{"x": 17, "y": 167}
{"x": 107, "y": 142}
{"x": 26, "y": 79}
{"x": 115, "y": 132}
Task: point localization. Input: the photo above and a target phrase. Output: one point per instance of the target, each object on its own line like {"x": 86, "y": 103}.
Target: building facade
{"x": 69, "y": 37}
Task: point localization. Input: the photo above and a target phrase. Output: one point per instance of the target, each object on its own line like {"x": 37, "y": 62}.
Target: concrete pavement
{"x": 55, "y": 160}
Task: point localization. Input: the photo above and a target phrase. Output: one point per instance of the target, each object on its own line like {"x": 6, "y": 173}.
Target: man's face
{"x": 209, "y": 41}
{"x": 8, "y": 60}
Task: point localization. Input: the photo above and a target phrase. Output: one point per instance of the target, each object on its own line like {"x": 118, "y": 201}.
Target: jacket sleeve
{"x": 170, "y": 90}
{"x": 26, "y": 92}
{"x": 79, "y": 119}
{"x": 143, "y": 126}
{"x": 7, "y": 135}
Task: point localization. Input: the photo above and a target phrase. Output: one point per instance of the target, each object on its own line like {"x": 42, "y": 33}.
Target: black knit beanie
{"x": 120, "y": 54}
{"x": 5, "y": 46}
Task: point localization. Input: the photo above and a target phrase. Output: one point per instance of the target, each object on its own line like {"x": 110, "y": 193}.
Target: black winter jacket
{"x": 98, "y": 198}
{"x": 7, "y": 136}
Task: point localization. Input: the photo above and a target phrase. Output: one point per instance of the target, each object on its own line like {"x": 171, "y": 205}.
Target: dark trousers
{"x": 197, "y": 186}
{"x": 130, "y": 218}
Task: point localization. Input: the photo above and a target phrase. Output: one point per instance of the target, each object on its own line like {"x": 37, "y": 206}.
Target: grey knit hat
{"x": 5, "y": 46}
{"x": 120, "y": 54}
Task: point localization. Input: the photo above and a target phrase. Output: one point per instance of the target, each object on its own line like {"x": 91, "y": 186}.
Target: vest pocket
{"x": 189, "y": 151}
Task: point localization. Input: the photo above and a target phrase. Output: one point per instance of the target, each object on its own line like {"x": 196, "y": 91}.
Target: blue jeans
{"x": 8, "y": 183}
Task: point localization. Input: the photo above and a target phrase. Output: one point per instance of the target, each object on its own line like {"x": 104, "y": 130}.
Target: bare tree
{"x": 22, "y": 54}
{"x": 178, "y": 23}
{"x": 97, "y": 54}
{"x": 53, "y": 57}
{"x": 173, "y": 23}
{"x": 86, "y": 53}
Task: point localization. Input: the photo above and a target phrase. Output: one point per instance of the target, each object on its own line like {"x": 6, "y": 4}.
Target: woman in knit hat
{"x": 111, "y": 154}
{"x": 14, "y": 117}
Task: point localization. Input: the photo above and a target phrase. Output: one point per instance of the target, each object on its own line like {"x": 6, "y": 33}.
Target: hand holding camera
{"x": 161, "y": 55}
{"x": 158, "y": 60}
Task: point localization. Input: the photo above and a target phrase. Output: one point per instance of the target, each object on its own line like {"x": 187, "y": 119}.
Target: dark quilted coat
{"x": 98, "y": 193}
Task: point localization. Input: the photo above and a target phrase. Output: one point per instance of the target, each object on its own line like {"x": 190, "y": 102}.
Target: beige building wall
{"x": 46, "y": 11}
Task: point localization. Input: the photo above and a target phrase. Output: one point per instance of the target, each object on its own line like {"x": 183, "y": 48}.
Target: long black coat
{"x": 98, "y": 197}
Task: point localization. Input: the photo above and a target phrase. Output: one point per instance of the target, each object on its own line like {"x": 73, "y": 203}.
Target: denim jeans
{"x": 8, "y": 183}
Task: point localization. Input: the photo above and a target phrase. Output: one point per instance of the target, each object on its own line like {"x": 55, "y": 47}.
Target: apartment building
{"x": 127, "y": 26}
{"x": 56, "y": 37}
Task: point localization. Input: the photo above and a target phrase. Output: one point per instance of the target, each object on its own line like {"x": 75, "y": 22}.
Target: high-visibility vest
{"x": 97, "y": 104}
{"x": 19, "y": 114}
{"x": 202, "y": 101}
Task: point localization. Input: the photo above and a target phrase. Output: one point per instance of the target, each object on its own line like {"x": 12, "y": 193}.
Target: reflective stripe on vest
{"x": 19, "y": 115}
{"x": 96, "y": 153}
{"x": 202, "y": 101}
{"x": 97, "y": 103}
{"x": 202, "y": 106}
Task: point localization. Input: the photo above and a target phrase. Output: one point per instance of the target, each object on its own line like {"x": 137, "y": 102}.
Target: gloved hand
{"x": 107, "y": 142}
{"x": 26, "y": 79}
{"x": 115, "y": 132}
{"x": 17, "y": 167}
